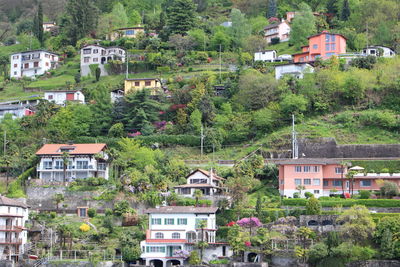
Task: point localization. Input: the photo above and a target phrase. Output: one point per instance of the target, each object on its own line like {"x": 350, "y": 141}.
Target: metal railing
{"x": 10, "y": 240}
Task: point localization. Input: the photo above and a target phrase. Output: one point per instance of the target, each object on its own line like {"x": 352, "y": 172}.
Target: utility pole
{"x": 220, "y": 64}
{"x": 295, "y": 148}
{"x": 202, "y": 140}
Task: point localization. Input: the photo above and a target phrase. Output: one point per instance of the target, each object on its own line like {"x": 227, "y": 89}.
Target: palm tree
{"x": 197, "y": 194}
{"x": 65, "y": 158}
{"x": 343, "y": 164}
{"x": 58, "y": 198}
{"x": 300, "y": 188}
{"x": 202, "y": 244}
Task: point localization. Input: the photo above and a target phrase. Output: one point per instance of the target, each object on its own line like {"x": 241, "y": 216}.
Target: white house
{"x": 60, "y": 97}
{"x": 295, "y": 69}
{"x": 16, "y": 110}
{"x": 207, "y": 182}
{"x": 378, "y": 51}
{"x": 173, "y": 229}
{"x": 32, "y": 63}
{"x": 99, "y": 55}
{"x": 265, "y": 55}
{"x": 84, "y": 161}
{"x": 13, "y": 234}
{"x": 279, "y": 30}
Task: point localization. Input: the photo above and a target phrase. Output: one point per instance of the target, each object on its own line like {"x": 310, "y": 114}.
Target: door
{"x": 347, "y": 184}
{"x": 70, "y": 96}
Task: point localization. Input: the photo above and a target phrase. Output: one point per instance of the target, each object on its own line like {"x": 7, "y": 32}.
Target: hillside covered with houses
{"x": 199, "y": 133}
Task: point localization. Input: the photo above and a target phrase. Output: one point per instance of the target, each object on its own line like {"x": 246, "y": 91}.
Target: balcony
{"x": 10, "y": 228}
{"x": 10, "y": 241}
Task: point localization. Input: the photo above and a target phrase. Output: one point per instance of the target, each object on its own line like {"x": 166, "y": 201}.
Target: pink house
{"x": 279, "y": 30}
{"x": 322, "y": 45}
{"x": 318, "y": 176}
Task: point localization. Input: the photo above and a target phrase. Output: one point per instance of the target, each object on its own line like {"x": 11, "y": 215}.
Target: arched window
{"x": 159, "y": 235}
{"x": 191, "y": 237}
{"x": 312, "y": 223}
{"x": 176, "y": 235}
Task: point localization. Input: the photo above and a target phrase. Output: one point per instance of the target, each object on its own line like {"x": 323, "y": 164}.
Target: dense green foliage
{"x": 345, "y": 202}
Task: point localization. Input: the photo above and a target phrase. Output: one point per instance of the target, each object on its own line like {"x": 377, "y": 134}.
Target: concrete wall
{"x": 328, "y": 148}
{"x": 374, "y": 263}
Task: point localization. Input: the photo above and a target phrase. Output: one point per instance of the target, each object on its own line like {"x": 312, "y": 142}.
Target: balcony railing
{"x": 15, "y": 241}
{"x": 11, "y": 228}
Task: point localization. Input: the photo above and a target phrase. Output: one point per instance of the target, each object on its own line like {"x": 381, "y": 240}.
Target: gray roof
{"x": 317, "y": 161}
{"x": 5, "y": 201}
{"x": 37, "y": 50}
{"x": 182, "y": 209}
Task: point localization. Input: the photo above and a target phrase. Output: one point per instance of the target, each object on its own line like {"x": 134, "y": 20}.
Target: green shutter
{"x": 163, "y": 249}
{"x": 147, "y": 249}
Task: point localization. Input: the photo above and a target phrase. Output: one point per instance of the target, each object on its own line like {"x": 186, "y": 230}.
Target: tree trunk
{"x": 341, "y": 175}
{"x": 65, "y": 174}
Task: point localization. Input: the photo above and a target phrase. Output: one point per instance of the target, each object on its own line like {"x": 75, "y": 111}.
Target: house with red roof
{"x": 207, "y": 182}
{"x": 322, "y": 45}
{"x": 83, "y": 161}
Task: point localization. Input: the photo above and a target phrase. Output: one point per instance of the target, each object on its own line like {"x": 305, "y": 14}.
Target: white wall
{"x": 99, "y": 57}
{"x": 265, "y": 56}
{"x": 60, "y": 98}
{"x": 296, "y": 70}
{"x": 45, "y": 60}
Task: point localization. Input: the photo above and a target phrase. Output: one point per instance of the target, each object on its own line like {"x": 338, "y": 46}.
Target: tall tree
{"x": 117, "y": 18}
{"x": 271, "y": 9}
{"x": 81, "y": 19}
{"x": 181, "y": 16}
{"x": 101, "y": 108}
{"x": 303, "y": 26}
{"x": 38, "y": 24}
{"x": 345, "y": 14}
{"x": 240, "y": 29}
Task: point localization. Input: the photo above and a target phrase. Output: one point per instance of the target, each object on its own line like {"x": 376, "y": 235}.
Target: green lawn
{"x": 284, "y": 48}
{"x": 52, "y": 83}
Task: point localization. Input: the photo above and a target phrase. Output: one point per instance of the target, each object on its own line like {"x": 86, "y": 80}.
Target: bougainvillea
{"x": 231, "y": 223}
{"x": 247, "y": 244}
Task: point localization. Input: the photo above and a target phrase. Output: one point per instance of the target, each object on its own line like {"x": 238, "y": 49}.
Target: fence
{"x": 78, "y": 255}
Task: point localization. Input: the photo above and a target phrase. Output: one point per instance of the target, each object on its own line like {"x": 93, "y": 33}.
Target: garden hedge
{"x": 384, "y": 203}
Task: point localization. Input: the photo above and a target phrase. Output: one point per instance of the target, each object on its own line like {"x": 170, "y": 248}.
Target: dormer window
{"x": 67, "y": 149}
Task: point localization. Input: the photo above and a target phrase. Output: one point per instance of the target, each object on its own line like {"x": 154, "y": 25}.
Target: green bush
{"x": 365, "y": 194}
{"x": 384, "y": 203}
{"x": 308, "y": 194}
{"x": 92, "y": 212}
{"x": 166, "y": 140}
{"x": 220, "y": 261}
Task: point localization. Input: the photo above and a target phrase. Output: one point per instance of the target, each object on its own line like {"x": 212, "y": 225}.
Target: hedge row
{"x": 385, "y": 203}
{"x": 165, "y": 140}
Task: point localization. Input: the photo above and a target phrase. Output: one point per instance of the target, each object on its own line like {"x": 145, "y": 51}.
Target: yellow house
{"x": 134, "y": 85}
{"x": 130, "y": 32}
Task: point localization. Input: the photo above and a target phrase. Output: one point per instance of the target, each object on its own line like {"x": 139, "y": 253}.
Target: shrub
{"x": 275, "y": 40}
{"x": 84, "y": 227}
{"x": 385, "y": 203}
{"x": 122, "y": 207}
{"x": 313, "y": 206}
{"x": 296, "y": 195}
{"x": 308, "y": 194}
{"x": 365, "y": 194}
{"x": 53, "y": 214}
{"x": 194, "y": 258}
{"x": 92, "y": 212}
{"x": 389, "y": 189}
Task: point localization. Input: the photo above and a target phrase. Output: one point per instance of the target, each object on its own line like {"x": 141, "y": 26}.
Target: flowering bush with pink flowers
{"x": 249, "y": 222}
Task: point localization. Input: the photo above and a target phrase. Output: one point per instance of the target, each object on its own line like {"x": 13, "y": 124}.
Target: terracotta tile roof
{"x": 182, "y": 209}
{"x": 319, "y": 161}
{"x": 195, "y": 185}
{"x": 77, "y": 149}
{"x": 5, "y": 201}
{"x": 206, "y": 173}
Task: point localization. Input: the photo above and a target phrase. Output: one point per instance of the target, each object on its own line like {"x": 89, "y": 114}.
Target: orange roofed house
{"x": 84, "y": 161}
{"x": 322, "y": 45}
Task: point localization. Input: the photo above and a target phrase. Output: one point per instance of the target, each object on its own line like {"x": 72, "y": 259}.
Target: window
{"x": 95, "y": 59}
{"x": 15, "y": 65}
{"x": 316, "y": 191}
{"x": 185, "y": 191}
{"x": 159, "y": 236}
{"x": 330, "y": 54}
{"x": 307, "y": 168}
{"x": 35, "y": 64}
{"x": 95, "y": 51}
{"x": 176, "y": 235}
{"x": 47, "y": 165}
{"x": 337, "y": 183}
{"x": 47, "y": 55}
{"x": 156, "y": 221}
{"x": 302, "y": 59}
{"x": 47, "y": 64}
{"x": 82, "y": 212}
{"x": 147, "y": 83}
{"x": 297, "y": 168}
{"x": 365, "y": 183}
{"x": 282, "y": 181}
{"x": 315, "y": 46}
{"x": 15, "y": 73}
{"x": 198, "y": 181}
{"x": 297, "y": 181}
{"x": 129, "y": 32}
{"x": 316, "y": 182}
{"x": 326, "y": 183}
{"x": 26, "y": 65}
{"x": 169, "y": 221}
{"x": 87, "y": 51}
{"x": 333, "y": 47}
{"x": 327, "y": 38}
{"x": 182, "y": 221}
{"x": 333, "y": 38}
{"x": 101, "y": 166}
{"x": 155, "y": 249}
{"x": 15, "y": 57}
{"x": 59, "y": 165}
{"x": 137, "y": 83}
{"x": 82, "y": 164}
{"x": 315, "y": 168}
{"x": 86, "y": 59}
{"x": 327, "y": 47}
{"x": 339, "y": 170}
{"x": 307, "y": 181}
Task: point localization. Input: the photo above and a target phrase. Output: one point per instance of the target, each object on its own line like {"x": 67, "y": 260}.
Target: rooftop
{"x": 32, "y": 51}
{"x": 5, "y": 201}
{"x": 182, "y": 209}
{"x": 206, "y": 173}
{"x": 195, "y": 186}
{"x": 74, "y": 149}
{"x": 315, "y": 161}
{"x": 326, "y": 32}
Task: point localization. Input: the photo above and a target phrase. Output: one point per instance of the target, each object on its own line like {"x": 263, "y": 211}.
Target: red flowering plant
{"x": 247, "y": 243}
{"x": 230, "y": 224}
{"x": 347, "y": 195}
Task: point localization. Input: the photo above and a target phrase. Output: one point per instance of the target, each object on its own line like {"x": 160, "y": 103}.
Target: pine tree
{"x": 101, "y": 108}
{"x": 40, "y": 24}
{"x": 345, "y": 10}
{"x": 271, "y": 9}
{"x": 181, "y": 16}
